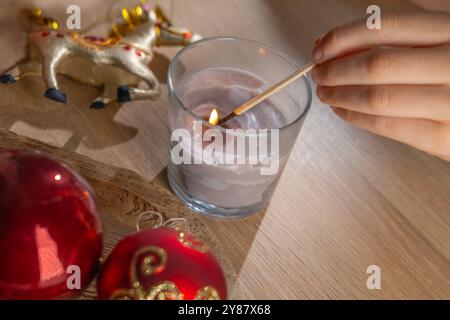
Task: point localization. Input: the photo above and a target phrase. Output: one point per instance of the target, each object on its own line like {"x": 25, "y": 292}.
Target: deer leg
{"x": 108, "y": 96}
{"x": 25, "y": 70}
{"x": 7, "y": 77}
{"x": 30, "y": 65}
{"x": 29, "y": 69}
{"x": 126, "y": 93}
{"x": 50, "y": 65}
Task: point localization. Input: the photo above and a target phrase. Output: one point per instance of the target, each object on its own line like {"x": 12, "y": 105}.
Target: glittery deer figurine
{"x": 117, "y": 64}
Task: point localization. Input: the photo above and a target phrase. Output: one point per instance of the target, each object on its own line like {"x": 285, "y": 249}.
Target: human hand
{"x": 394, "y": 82}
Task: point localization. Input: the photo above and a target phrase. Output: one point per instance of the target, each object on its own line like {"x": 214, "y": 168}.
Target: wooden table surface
{"x": 347, "y": 199}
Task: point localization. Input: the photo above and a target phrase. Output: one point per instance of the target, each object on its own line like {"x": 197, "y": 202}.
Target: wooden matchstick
{"x": 264, "y": 95}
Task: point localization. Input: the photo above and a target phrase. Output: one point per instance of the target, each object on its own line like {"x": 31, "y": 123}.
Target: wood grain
{"x": 347, "y": 200}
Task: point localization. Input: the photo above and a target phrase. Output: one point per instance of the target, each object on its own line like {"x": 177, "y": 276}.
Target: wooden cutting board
{"x": 123, "y": 195}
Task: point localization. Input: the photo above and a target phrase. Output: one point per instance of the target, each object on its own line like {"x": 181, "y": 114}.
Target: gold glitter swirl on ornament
{"x": 207, "y": 293}
{"x": 122, "y": 294}
{"x": 166, "y": 290}
{"x": 154, "y": 262}
{"x": 189, "y": 241}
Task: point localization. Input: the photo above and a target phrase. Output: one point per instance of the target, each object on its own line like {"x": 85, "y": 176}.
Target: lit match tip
{"x": 214, "y": 117}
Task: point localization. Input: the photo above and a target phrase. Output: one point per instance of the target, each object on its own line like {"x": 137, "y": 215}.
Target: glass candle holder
{"x": 231, "y": 170}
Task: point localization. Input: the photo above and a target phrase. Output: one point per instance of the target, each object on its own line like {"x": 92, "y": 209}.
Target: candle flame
{"x": 214, "y": 117}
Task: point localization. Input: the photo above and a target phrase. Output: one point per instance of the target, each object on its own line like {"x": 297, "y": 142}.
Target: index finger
{"x": 412, "y": 29}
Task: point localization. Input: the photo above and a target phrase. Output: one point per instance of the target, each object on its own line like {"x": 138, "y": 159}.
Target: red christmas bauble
{"x": 50, "y": 228}
{"x": 161, "y": 264}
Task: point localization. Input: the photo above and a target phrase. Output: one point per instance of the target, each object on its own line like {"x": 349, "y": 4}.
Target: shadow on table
{"x": 96, "y": 128}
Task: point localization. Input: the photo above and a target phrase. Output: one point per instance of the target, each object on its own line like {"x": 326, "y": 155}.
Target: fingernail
{"x": 315, "y": 75}
{"x": 318, "y": 54}
{"x": 317, "y": 41}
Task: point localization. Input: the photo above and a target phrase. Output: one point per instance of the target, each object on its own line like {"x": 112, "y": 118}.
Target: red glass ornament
{"x": 49, "y": 222}
{"x": 163, "y": 264}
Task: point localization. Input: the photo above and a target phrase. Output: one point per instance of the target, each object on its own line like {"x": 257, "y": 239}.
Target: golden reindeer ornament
{"x": 118, "y": 63}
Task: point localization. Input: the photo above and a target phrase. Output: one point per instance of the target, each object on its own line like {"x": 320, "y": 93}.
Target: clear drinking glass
{"x": 223, "y": 73}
